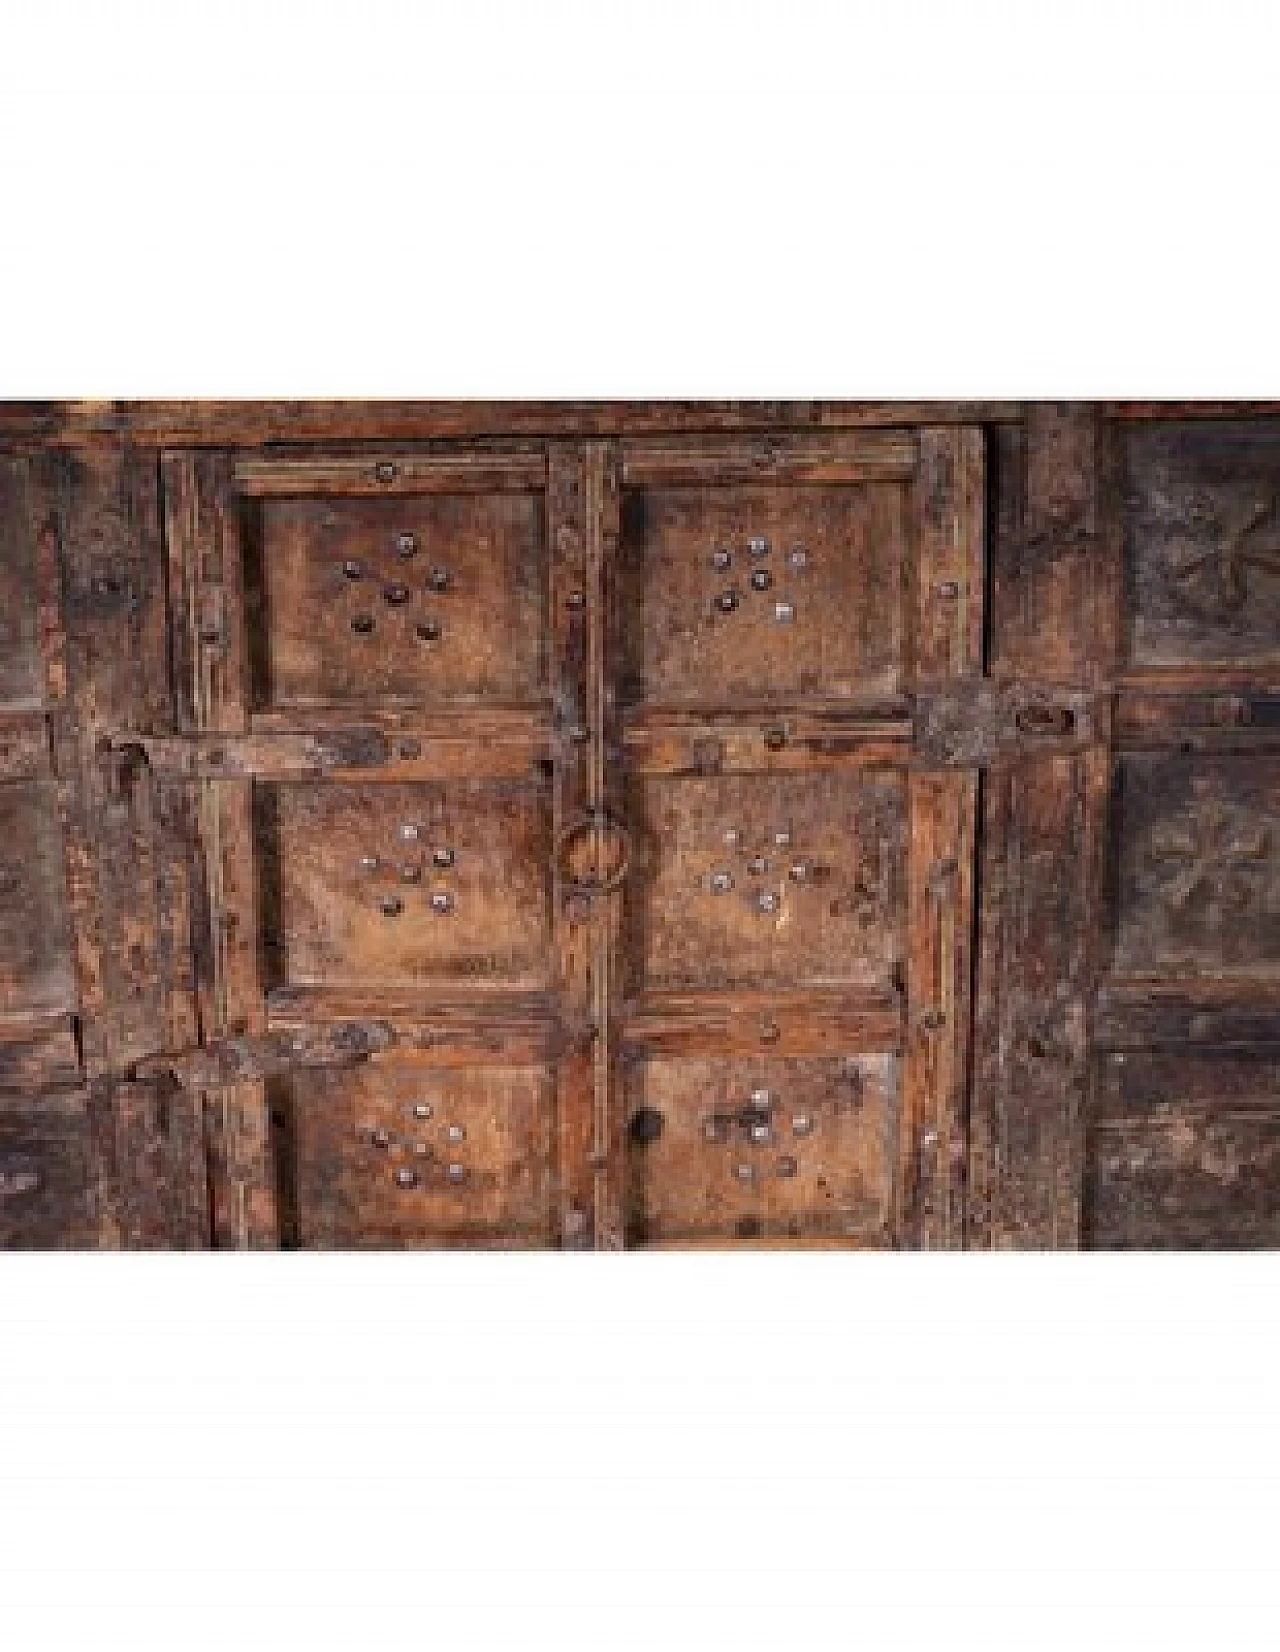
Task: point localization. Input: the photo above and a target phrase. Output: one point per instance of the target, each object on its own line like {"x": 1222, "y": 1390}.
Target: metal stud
{"x": 732, "y": 838}
{"x": 768, "y": 901}
{"x": 722, "y": 560}
{"x": 421, "y": 1150}
{"x": 362, "y": 624}
{"x": 801, "y": 1124}
{"x": 439, "y": 580}
{"x": 577, "y": 600}
{"x": 757, "y": 866}
{"x": 727, "y": 601}
{"x": 408, "y": 832}
{"x": 761, "y": 1097}
{"x": 392, "y": 906}
{"x": 721, "y": 883}
{"x": 784, "y": 612}
{"x": 422, "y": 1109}
{"x": 353, "y": 569}
{"x": 761, "y": 1133}
{"x": 799, "y": 871}
{"x": 406, "y": 544}
{"x": 758, "y": 547}
{"x": 745, "y": 1172}
{"x": 455, "y": 1133}
{"x": 715, "y": 1130}
{"x": 428, "y": 630}
{"x": 443, "y": 858}
{"x": 457, "y": 1173}
{"x": 787, "y": 1165}
{"x": 395, "y": 593}
{"x": 385, "y": 471}
{"x": 442, "y": 902}
{"x": 381, "y": 1138}
{"x": 406, "y": 1177}
{"x": 409, "y": 873}
{"x": 761, "y": 579}
{"x": 369, "y": 863}
{"x": 947, "y": 590}
{"x": 799, "y": 557}
{"x": 782, "y": 839}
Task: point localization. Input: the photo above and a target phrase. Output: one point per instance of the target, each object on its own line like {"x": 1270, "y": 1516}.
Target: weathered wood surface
{"x": 601, "y": 824}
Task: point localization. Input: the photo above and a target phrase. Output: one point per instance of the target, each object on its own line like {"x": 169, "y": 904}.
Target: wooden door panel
{"x": 48, "y": 1183}
{"x": 396, "y": 1154}
{"x": 1185, "y": 1152}
{"x": 440, "y": 597}
{"x": 405, "y": 885}
{"x": 755, "y": 880}
{"x": 379, "y": 824}
{"x": 1203, "y": 545}
{"x": 21, "y": 667}
{"x": 758, "y": 591}
{"x": 763, "y": 1149}
{"x": 35, "y": 962}
{"x": 800, "y": 896}
{"x": 472, "y": 795}
{"x": 1197, "y": 845}
{"x": 1182, "y": 1145}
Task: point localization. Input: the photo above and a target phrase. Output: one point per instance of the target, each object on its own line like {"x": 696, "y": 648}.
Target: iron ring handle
{"x": 583, "y": 822}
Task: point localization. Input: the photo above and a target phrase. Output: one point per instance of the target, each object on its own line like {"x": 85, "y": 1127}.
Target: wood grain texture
{"x": 631, "y": 780}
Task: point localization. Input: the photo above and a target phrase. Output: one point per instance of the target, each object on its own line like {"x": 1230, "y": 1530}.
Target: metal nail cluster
{"x": 401, "y": 590}
{"x": 759, "y": 1122}
{"x": 763, "y": 861}
{"x": 410, "y": 868}
{"x": 424, "y": 1165}
{"x": 760, "y": 580}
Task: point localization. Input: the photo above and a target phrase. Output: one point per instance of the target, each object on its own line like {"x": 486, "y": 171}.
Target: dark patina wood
{"x": 606, "y": 824}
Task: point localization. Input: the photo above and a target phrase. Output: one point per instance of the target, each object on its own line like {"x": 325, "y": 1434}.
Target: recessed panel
{"x": 391, "y": 1155}
{"x": 397, "y": 885}
{"x": 1203, "y": 543}
{"x": 420, "y": 597}
{"x": 1186, "y": 1152}
{"x": 758, "y": 880}
{"x": 47, "y": 1198}
{"x": 762, "y": 1149}
{"x": 35, "y": 967}
{"x": 1198, "y": 847}
{"x": 20, "y": 667}
{"x": 751, "y": 592}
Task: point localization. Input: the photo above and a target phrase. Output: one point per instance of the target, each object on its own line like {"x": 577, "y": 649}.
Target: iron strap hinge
{"x": 971, "y": 724}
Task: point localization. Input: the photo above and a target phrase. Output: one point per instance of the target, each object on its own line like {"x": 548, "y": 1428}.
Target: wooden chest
{"x": 639, "y": 825}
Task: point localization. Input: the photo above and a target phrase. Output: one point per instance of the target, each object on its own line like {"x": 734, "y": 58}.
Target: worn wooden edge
{"x": 820, "y": 457}
{"x": 220, "y": 422}
{"x": 784, "y": 1024}
{"x": 390, "y": 470}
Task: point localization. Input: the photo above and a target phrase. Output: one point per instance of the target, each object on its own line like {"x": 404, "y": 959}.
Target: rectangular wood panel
{"x": 419, "y": 598}
{"x": 403, "y": 1155}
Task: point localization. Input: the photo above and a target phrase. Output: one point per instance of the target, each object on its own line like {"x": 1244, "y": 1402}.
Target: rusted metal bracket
{"x": 238, "y": 756}
{"x": 981, "y": 723}
{"x": 242, "y": 1060}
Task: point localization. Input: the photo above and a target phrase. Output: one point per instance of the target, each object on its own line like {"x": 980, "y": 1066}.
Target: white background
{"x": 686, "y": 200}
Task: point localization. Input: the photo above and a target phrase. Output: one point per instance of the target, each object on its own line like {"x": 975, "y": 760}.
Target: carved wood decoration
{"x": 639, "y": 825}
